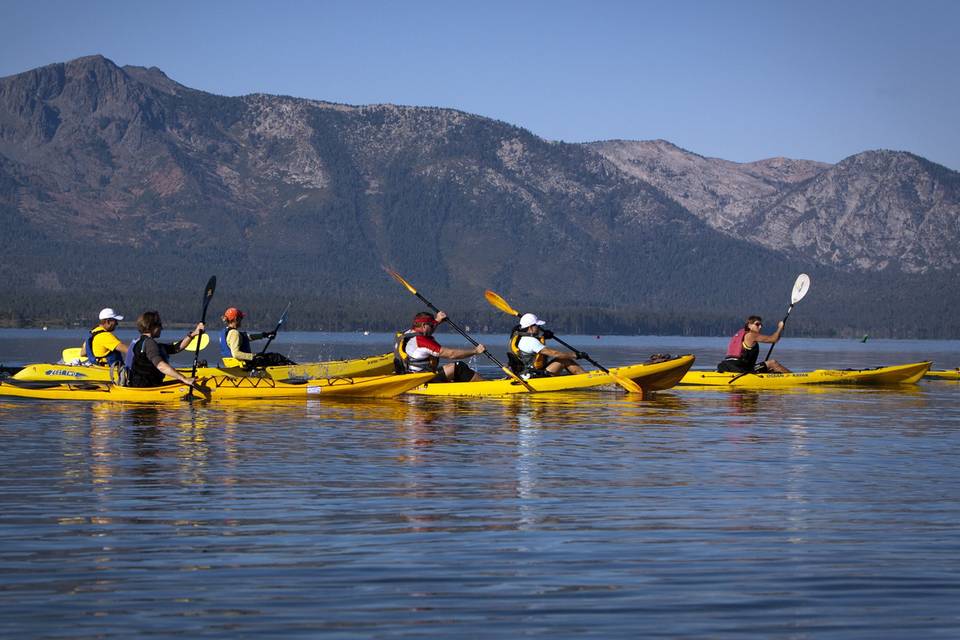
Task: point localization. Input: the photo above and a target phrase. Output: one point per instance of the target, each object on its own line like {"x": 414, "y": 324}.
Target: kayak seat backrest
{"x": 119, "y": 374}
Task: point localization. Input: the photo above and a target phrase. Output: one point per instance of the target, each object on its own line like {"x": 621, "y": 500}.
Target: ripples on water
{"x": 829, "y": 513}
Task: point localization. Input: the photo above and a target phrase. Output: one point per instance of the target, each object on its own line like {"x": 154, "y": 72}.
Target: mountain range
{"x": 120, "y": 187}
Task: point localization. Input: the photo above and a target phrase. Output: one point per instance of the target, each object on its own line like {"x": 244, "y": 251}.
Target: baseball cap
{"x": 528, "y": 320}
{"x": 233, "y": 314}
{"x": 109, "y": 313}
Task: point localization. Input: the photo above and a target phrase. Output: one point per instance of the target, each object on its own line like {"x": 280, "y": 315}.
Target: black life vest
{"x": 403, "y": 363}
{"x": 532, "y": 362}
{"x": 141, "y": 372}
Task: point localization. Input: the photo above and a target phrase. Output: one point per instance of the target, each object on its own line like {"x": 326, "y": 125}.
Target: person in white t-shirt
{"x": 528, "y": 344}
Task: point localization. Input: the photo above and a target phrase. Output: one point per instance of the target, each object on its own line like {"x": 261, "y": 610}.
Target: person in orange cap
{"x": 235, "y": 343}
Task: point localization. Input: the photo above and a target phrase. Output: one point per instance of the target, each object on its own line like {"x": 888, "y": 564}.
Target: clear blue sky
{"x": 819, "y": 80}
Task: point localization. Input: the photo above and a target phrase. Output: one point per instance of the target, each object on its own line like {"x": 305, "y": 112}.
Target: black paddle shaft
{"x": 770, "y": 350}
{"x": 283, "y": 318}
{"x": 207, "y": 296}
{"x": 575, "y": 351}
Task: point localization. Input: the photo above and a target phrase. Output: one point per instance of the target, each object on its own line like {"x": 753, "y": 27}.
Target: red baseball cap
{"x": 233, "y": 314}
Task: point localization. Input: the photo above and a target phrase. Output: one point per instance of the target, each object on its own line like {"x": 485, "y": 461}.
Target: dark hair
{"x": 751, "y": 320}
{"x": 148, "y": 321}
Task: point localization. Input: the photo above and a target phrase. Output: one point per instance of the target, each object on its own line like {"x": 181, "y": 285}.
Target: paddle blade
{"x": 629, "y": 385}
{"x": 800, "y": 288}
{"x": 499, "y": 303}
{"x": 207, "y": 296}
{"x": 203, "y": 339}
{"x": 396, "y": 276}
{"x": 71, "y": 354}
{"x": 208, "y": 291}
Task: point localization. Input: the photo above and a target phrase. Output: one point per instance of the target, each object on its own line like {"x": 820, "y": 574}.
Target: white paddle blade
{"x": 800, "y": 288}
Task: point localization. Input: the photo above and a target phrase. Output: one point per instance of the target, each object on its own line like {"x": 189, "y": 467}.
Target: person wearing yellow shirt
{"x": 235, "y": 343}
{"x": 101, "y": 347}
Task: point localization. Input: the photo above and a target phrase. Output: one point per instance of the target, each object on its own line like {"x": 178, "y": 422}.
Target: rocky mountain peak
{"x": 125, "y": 160}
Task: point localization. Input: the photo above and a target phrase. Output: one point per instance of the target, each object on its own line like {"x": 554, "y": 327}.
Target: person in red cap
{"x": 235, "y": 343}
{"x": 416, "y": 351}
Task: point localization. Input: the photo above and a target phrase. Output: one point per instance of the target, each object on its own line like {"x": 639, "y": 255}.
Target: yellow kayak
{"x": 943, "y": 374}
{"x": 369, "y": 366}
{"x": 217, "y": 388}
{"x": 650, "y": 376}
{"x": 897, "y": 374}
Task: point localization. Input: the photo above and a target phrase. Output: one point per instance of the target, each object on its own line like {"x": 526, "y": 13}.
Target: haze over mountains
{"x": 121, "y": 187}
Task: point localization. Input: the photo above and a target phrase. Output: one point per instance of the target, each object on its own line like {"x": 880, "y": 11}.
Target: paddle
{"x": 283, "y": 318}
{"x": 71, "y": 354}
{"x": 628, "y": 384}
{"x": 207, "y": 296}
{"x": 456, "y": 328}
{"x": 800, "y": 288}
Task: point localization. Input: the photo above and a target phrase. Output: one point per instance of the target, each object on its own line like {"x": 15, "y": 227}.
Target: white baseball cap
{"x": 528, "y": 320}
{"x": 109, "y": 313}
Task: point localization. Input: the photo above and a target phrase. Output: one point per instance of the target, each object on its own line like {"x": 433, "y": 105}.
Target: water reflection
{"x": 388, "y": 517}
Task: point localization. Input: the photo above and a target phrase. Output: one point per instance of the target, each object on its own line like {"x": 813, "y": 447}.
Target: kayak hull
{"x": 358, "y": 367}
{"x": 897, "y": 374}
{"x": 217, "y": 388}
{"x": 943, "y": 374}
{"x": 649, "y": 376}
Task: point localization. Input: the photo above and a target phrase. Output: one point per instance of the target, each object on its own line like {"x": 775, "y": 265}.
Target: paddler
{"x": 744, "y": 350}
{"x": 101, "y": 346}
{"x": 528, "y": 344}
{"x": 147, "y": 360}
{"x": 417, "y": 351}
{"x": 235, "y": 343}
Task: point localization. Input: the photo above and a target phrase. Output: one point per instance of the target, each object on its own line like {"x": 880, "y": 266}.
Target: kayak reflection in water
{"x": 416, "y": 350}
{"x": 744, "y": 350}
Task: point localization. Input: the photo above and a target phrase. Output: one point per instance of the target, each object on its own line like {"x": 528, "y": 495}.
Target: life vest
{"x": 735, "y": 348}
{"x": 225, "y": 348}
{"x": 532, "y": 362}
{"x": 111, "y": 358}
{"x": 403, "y": 363}
{"x": 737, "y": 351}
{"x": 141, "y": 372}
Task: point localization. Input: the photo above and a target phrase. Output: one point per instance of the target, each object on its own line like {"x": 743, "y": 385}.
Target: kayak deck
{"x": 216, "y": 388}
{"x": 654, "y": 376}
{"x": 896, "y": 374}
{"x": 369, "y": 366}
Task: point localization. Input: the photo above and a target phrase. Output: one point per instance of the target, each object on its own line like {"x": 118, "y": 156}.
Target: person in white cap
{"x": 101, "y": 346}
{"x": 528, "y": 344}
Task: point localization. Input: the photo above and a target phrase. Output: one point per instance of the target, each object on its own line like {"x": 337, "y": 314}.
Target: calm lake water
{"x": 701, "y": 513}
